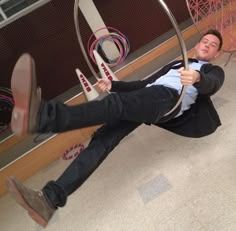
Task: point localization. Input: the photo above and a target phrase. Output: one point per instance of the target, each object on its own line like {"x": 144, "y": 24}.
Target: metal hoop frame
{"x": 191, "y": 15}
{"x": 178, "y": 34}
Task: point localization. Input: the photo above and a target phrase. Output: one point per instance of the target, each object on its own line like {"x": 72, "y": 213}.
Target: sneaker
{"x": 26, "y": 95}
{"x": 32, "y": 200}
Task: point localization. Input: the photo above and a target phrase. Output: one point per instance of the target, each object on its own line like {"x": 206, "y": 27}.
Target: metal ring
{"x": 178, "y": 33}
{"x": 183, "y": 50}
{"x": 77, "y": 28}
{"x": 191, "y": 15}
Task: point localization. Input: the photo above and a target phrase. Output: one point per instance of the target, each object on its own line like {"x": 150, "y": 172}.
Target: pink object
{"x": 117, "y": 37}
{"x": 73, "y": 151}
{"x": 218, "y": 14}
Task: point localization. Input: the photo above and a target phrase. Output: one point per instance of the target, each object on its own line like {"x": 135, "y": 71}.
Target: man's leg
{"x": 102, "y": 143}
{"x": 30, "y": 115}
{"x": 144, "y": 106}
{"x": 42, "y": 204}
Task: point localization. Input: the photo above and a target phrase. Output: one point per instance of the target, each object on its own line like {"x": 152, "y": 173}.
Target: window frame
{"x": 7, "y": 20}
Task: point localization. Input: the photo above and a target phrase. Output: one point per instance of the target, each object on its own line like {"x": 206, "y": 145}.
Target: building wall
{"x": 48, "y": 33}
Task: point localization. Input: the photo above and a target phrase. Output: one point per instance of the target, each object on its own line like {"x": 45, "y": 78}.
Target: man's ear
{"x": 217, "y": 54}
{"x": 195, "y": 50}
{"x": 196, "y": 46}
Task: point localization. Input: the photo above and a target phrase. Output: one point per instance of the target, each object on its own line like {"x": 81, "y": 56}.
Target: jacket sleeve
{"x": 211, "y": 80}
{"x": 122, "y": 86}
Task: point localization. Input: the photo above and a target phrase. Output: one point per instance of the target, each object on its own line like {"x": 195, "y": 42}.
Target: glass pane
{"x": 11, "y": 3}
{"x": 1, "y": 18}
{"x": 12, "y": 7}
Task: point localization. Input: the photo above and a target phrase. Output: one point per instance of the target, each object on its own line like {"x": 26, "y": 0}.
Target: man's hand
{"x": 189, "y": 77}
{"x": 104, "y": 84}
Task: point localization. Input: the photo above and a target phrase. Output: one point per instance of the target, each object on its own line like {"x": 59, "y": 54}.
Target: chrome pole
{"x": 77, "y": 28}
{"x": 191, "y": 15}
{"x": 183, "y": 50}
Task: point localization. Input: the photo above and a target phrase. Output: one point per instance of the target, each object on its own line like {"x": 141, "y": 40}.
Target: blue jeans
{"x": 120, "y": 112}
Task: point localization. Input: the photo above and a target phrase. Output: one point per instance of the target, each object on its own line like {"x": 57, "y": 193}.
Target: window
{"x": 1, "y": 18}
{"x": 10, "y": 10}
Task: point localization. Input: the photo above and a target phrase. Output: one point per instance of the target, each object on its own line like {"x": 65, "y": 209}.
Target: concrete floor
{"x": 153, "y": 181}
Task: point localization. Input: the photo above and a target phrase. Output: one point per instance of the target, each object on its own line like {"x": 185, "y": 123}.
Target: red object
{"x": 224, "y": 18}
{"x": 73, "y": 151}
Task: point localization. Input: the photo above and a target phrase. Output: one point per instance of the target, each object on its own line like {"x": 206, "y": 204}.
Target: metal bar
{"x": 183, "y": 50}
{"x": 191, "y": 15}
{"x": 76, "y": 5}
{"x": 3, "y": 1}
{"x": 2, "y": 13}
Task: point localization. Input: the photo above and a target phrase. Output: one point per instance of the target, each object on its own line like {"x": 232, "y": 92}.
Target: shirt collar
{"x": 203, "y": 62}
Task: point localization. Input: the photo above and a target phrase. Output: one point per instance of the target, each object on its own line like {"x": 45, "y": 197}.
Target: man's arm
{"x": 211, "y": 80}
{"x": 207, "y": 81}
{"x": 122, "y": 86}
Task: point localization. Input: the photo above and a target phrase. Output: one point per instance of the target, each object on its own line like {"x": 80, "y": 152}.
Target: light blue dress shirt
{"x": 172, "y": 79}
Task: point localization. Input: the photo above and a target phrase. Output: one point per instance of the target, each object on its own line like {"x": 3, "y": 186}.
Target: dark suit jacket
{"x": 201, "y": 119}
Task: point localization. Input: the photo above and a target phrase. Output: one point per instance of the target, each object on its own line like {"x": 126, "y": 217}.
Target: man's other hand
{"x": 189, "y": 77}
{"x": 104, "y": 84}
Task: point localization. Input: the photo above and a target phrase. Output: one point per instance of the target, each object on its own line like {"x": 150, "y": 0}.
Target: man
{"x": 130, "y": 105}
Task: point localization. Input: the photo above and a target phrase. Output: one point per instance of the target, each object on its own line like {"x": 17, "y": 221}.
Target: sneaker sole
{"x": 22, "y": 84}
{"x": 17, "y": 195}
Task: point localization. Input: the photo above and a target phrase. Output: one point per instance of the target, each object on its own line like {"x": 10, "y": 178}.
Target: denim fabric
{"x": 120, "y": 112}
{"x": 146, "y": 105}
{"x": 102, "y": 143}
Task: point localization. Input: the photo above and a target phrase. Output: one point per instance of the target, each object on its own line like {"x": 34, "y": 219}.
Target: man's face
{"x": 207, "y": 48}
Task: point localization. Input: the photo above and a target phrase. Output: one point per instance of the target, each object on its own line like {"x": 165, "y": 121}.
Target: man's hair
{"x": 217, "y": 34}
